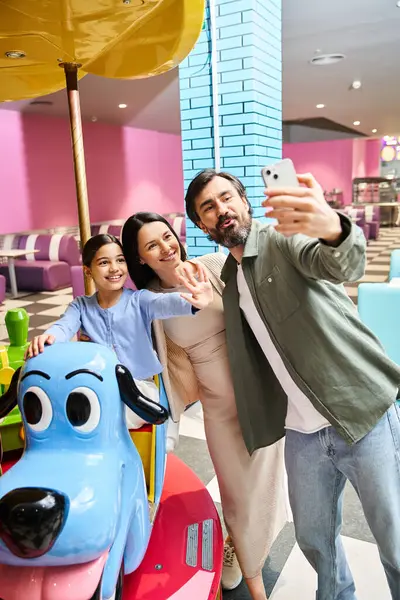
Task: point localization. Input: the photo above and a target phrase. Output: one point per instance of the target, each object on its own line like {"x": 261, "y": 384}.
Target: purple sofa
{"x": 357, "y": 215}
{"x": 48, "y": 269}
{"x": 373, "y": 219}
{"x": 2, "y": 288}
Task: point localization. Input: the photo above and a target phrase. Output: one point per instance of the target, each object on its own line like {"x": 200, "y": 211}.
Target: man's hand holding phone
{"x": 303, "y": 210}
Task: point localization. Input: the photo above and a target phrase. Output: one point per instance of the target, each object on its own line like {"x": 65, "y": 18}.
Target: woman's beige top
{"x": 179, "y": 378}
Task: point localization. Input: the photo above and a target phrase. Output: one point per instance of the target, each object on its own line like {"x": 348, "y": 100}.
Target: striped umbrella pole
{"x": 71, "y": 77}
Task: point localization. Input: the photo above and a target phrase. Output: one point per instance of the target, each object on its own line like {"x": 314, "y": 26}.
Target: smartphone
{"x": 280, "y": 175}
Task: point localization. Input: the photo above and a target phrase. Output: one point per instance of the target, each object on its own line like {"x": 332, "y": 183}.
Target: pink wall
{"x": 366, "y": 157}
{"x": 335, "y": 163}
{"x": 127, "y": 170}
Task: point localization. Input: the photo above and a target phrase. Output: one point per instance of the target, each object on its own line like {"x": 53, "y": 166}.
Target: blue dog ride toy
{"x": 74, "y": 513}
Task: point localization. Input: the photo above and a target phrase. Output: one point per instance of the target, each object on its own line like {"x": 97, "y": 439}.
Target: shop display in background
{"x": 334, "y": 198}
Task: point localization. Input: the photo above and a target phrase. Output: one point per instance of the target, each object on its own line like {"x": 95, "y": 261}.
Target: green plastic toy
{"x": 11, "y": 358}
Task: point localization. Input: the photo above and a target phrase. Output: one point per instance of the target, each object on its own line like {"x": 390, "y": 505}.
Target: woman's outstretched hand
{"x": 199, "y": 286}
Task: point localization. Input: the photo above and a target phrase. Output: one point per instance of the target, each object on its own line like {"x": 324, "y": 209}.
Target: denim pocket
{"x": 393, "y": 415}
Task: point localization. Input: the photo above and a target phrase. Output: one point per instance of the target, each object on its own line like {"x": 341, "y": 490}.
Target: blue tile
{"x": 236, "y": 52}
{"x": 230, "y": 65}
{"x": 203, "y": 143}
{"x": 235, "y": 7}
{"x": 238, "y": 119}
{"x": 231, "y": 151}
{"x": 200, "y": 80}
{"x": 200, "y": 113}
{"x": 204, "y": 163}
{"x": 201, "y": 101}
{"x": 231, "y": 109}
{"x": 235, "y": 30}
{"x": 230, "y": 88}
{"x": 256, "y": 150}
{"x": 201, "y": 250}
{"x": 197, "y": 134}
{"x": 228, "y": 44}
{"x": 236, "y": 140}
{"x": 196, "y": 92}
{"x": 231, "y": 130}
{"x": 185, "y": 104}
{"x": 201, "y": 153}
{"x": 229, "y": 19}
{"x": 265, "y": 90}
{"x": 199, "y": 60}
{"x": 237, "y": 97}
{"x": 202, "y": 123}
{"x": 241, "y": 161}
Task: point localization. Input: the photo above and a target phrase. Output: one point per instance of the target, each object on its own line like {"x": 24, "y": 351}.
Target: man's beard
{"x": 232, "y": 236}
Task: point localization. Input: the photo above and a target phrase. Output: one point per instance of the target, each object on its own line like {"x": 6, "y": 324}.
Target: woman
{"x": 251, "y": 487}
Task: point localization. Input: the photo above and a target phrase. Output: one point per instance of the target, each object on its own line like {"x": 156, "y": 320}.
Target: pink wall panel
{"x": 335, "y": 163}
{"x": 127, "y": 170}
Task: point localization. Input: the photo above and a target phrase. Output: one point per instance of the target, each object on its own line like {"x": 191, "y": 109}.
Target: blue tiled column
{"x": 249, "y": 99}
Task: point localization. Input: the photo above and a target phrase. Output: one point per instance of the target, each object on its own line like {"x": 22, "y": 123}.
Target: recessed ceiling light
{"x": 327, "y": 59}
{"x": 356, "y": 84}
{"x": 374, "y": 131}
{"x": 320, "y": 106}
{"x": 356, "y": 123}
{"x": 122, "y": 105}
{"x": 15, "y": 54}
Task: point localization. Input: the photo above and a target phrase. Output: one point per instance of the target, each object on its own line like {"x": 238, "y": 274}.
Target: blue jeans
{"x": 318, "y": 465}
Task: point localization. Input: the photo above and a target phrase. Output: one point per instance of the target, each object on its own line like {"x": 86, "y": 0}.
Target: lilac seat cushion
{"x": 40, "y": 275}
{"x": 55, "y": 247}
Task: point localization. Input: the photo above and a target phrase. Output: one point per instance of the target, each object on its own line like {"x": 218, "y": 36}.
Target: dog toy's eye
{"x": 37, "y": 408}
{"x": 83, "y": 409}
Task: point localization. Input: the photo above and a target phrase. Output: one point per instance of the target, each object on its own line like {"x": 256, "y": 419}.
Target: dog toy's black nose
{"x": 31, "y": 519}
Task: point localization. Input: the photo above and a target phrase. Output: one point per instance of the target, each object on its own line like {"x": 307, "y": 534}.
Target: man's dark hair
{"x": 198, "y": 184}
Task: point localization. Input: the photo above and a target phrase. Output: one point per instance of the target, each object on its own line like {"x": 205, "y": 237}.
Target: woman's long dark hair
{"x": 141, "y": 275}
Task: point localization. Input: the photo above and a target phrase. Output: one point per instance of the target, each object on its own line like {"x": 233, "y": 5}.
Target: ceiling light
{"x": 320, "y": 106}
{"x": 93, "y": 119}
{"x": 122, "y": 105}
{"x": 326, "y": 59}
{"x": 356, "y": 123}
{"x": 15, "y": 54}
{"x": 398, "y": 4}
{"x": 374, "y": 131}
{"x": 355, "y": 85}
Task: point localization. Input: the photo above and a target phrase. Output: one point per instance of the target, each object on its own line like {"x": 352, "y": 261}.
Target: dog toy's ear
{"x": 146, "y": 409}
{"x": 8, "y": 401}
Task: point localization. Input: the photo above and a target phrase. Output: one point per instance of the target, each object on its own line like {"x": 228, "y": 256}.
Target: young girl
{"x": 118, "y": 317}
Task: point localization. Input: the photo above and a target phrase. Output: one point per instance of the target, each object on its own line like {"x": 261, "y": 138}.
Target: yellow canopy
{"x": 111, "y": 38}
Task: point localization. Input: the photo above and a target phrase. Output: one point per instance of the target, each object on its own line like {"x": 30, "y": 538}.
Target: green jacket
{"x": 333, "y": 358}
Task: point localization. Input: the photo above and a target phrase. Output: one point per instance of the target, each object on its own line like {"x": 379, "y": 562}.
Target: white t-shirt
{"x": 301, "y": 414}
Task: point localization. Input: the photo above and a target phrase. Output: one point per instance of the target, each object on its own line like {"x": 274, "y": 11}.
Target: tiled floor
{"x": 287, "y": 574}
